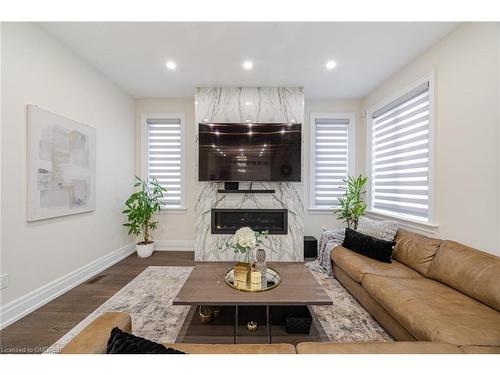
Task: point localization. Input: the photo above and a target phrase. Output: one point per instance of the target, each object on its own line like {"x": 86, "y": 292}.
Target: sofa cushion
{"x": 233, "y": 348}
{"x": 400, "y": 347}
{"x": 383, "y": 230}
{"x": 468, "y": 270}
{"x": 415, "y": 250}
{"x": 432, "y": 311}
{"x": 356, "y": 265}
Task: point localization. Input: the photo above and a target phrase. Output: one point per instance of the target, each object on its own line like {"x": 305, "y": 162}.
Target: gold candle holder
{"x": 241, "y": 274}
{"x": 255, "y": 280}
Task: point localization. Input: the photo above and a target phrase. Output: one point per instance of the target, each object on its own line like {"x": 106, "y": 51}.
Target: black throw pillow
{"x": 125, "y": 343}
{"x": 368, "y": 246}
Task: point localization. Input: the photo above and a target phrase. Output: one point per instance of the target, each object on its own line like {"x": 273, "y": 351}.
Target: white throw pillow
{"x": 383, "y": 230}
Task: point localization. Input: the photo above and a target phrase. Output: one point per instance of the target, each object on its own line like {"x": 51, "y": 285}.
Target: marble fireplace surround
{"x": 238, "y": 105}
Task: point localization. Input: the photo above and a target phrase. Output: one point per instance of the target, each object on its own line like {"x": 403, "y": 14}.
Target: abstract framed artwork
{"x": 61, "y": 155}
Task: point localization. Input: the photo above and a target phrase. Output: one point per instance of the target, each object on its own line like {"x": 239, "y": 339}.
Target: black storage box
{"x": 298, "y": 320}
{"x": 310, "y": 247}
{"x": 231, "y": 185}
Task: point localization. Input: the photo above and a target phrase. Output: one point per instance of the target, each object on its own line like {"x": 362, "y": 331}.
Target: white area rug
{"x": 346, "y": 320}
{"x": 148, "y": 299}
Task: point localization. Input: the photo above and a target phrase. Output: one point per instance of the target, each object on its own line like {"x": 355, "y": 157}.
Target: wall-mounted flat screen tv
{"x": 249, "y": 152}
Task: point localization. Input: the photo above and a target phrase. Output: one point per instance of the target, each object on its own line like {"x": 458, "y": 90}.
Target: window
{"x": 400, "y": 156}
{"x": 332, "y": 157}
{"x": 163, "y": 156}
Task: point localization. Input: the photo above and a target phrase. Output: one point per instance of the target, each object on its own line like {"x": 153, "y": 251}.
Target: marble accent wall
{"x": 241, "y": 105}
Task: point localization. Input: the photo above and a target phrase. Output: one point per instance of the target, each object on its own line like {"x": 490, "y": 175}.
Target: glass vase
{"x": 248, "y": 256}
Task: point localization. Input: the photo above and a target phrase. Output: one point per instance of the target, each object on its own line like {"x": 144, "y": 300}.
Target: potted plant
{"x": 140, "y": 208}
{"x": 351, "y": 204}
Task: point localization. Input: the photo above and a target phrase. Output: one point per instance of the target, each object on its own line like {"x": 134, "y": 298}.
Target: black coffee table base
{"x": 230, "y": 327}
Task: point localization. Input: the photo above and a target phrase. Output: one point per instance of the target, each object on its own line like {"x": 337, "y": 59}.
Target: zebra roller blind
{"x": 165, "y": 158}
{"x": 400, "y": 156}
{"x": 330, "y": 166}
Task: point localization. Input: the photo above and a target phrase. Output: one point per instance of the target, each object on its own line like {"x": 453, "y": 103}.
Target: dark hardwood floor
{"x": 43, "y": 327}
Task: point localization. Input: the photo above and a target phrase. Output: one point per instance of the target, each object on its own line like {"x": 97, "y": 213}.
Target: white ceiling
{"x": 133, "y": 54}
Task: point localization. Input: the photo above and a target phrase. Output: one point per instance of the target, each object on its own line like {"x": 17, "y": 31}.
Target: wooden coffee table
{"x": 298, "y": 287}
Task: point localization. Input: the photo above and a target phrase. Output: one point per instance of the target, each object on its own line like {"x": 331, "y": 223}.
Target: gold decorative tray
{"x": 272, "y": 277}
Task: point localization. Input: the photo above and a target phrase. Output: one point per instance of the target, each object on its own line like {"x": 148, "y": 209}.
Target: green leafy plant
{"x": 351, "y": 204}
{"x": 140, "y": 208}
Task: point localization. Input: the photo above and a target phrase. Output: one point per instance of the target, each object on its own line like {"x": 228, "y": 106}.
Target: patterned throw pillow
{"x": 383, "y": 230}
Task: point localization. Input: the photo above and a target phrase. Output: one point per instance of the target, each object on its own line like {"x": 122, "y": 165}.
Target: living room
{"x": 250, "y": 187}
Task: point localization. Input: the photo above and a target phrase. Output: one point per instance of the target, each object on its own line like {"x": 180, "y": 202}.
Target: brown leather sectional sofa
{"x": 439, "y": 291}
{"x": 435, "y": 297}
{"x": 93, "y": 339}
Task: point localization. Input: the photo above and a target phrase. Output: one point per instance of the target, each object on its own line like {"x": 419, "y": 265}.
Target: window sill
{"x": 320, "y": 211}
{"x": 405, "y": 223}
{"x": 173, "y": 211}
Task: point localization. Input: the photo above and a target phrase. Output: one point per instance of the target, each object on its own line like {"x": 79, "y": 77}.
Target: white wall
{"x": 466, "y": 67}
{"x": 1, "y": 127}
{"x": 37, "y": 69}
{"x": 176, "y": 230}
{"x": 314, "y": 221}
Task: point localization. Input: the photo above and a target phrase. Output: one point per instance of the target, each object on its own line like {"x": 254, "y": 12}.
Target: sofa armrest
{"x": 93, "y": 338}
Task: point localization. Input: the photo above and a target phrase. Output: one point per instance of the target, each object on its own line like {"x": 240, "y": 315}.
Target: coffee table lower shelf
{"x": 224, "y": 330}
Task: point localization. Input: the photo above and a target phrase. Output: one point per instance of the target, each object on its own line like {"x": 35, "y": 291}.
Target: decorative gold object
{"x": 215, "y": 311}
{"x": 252, "y": 326}
{"x": 242, "y": 274}
{"x": 272, "y": 281}
{"x": 205, "y": 313}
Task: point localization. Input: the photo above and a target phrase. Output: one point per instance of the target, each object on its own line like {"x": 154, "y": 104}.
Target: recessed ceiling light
{"x": 331, "y": 64}
{"x": 205, "y": 120}
{"x": 248, "y": 103}
{"x": 249, "y": 120}
{"x": 247, "y": 65}
{"x": 171, "y": 65}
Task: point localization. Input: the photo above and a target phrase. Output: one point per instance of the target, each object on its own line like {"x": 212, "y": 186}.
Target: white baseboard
{"x": 174, "y": 245}
{"x": 31, "y": 301}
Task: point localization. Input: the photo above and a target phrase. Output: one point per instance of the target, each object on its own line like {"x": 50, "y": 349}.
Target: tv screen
{"x": 249, "y": 152}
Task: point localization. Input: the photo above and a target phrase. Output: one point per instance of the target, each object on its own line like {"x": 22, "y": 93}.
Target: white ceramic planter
{"x": 144, "y": 251}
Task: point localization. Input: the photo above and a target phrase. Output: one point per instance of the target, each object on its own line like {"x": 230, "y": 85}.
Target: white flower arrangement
{"x": 245, "y": 240}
